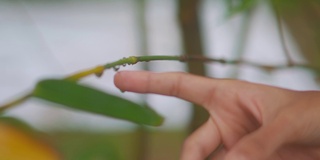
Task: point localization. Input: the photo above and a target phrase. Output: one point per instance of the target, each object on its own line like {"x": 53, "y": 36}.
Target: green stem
{"x": 122, "y": 62}
{"x": 133, "y": 60}
{"x": 154, "y": 58}
{"x": 97, "y": 71}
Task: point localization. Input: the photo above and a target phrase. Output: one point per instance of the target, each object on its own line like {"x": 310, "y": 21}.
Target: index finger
{"x": 182, "y": 85}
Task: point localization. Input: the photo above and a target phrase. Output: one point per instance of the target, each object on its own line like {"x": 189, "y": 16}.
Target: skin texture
{"x": 252, "y": 121}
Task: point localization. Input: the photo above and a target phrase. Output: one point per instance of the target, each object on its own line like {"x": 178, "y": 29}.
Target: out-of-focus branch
{"x": 281, "y": 34}
{"x": 265, "y": 67}
{"x": 303, "y": 21}
{"x": 188, "y": 16}
{"x": 242, "y": 39}
{"x": 143, "y": 136}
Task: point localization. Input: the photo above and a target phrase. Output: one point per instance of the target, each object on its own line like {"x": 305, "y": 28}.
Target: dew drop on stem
{"x": 99, "y": 74}
{"x": 116, "y": 68}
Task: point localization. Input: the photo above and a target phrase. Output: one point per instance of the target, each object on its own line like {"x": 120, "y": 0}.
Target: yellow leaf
{"x": 17, "y": 145}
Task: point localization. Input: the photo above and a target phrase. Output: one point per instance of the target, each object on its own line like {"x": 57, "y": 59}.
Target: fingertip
{"x": 122, "y": 79}
{"x": 202, "y": 142}
{"x": 131, "y": 80}
{"x": 118, "y": 79}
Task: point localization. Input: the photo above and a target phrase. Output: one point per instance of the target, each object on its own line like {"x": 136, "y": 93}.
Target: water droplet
{"x": 99, "y": 74}
{"x": 116, "y": 68}
{"x": 124, "y": 65}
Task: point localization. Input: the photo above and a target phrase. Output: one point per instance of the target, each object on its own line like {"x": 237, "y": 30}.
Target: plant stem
{"x": 154, "y": 58}
{"x": 98, "y": 71}
{"x": 122, "y": 62}
{"x": 15, "y": 102}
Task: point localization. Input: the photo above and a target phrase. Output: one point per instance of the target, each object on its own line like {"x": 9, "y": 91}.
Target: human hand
{"x": 252, "y": 121}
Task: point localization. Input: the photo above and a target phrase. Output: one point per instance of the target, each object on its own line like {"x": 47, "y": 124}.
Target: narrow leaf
{"x": 84, "y": 98}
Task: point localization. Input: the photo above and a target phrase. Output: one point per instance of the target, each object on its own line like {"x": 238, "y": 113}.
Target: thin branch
{"x": 243, "y": 62}
{"x": 242, "y": 39}
{"x": 143, "y": 136}
{"x": 98, "y": 71}
{"x": 281, "y": 33}
{"x": 15, "y": 102}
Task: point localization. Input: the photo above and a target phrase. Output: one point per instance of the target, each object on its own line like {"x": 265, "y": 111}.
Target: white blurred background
{"x": 45, "y": 39}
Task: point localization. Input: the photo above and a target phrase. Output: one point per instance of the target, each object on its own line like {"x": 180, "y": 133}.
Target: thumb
{"x": 258, "y": 145}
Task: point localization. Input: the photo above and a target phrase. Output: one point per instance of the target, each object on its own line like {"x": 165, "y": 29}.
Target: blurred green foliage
{"x": 88, "y": 145}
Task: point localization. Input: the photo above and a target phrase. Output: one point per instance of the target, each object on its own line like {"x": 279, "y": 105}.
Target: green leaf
{"x": 81, "y": 97}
